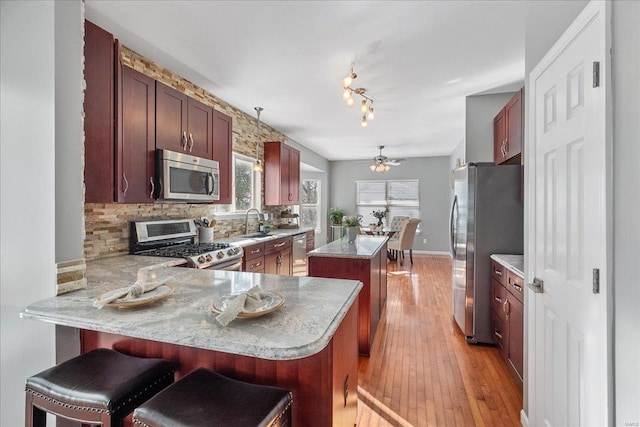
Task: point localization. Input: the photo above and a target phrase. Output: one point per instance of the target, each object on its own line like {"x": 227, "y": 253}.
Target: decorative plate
{"x": 159, "y": 293}
{"x": 271, "y": 302}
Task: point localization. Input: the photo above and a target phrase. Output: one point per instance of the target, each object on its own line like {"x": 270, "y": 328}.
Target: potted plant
{"x": 350, "y": 224}
{"x": 336, "y": 215}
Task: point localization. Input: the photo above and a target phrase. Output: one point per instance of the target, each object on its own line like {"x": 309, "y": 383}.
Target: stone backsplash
{"x": 107, "y": 225}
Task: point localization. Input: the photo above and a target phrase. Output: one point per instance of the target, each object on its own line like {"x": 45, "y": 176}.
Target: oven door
{"x": 231, "y": 265}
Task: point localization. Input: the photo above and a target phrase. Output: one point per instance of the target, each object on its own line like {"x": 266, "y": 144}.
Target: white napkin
{"x": 134, "y": 291}
{"x": 246, "y": 301}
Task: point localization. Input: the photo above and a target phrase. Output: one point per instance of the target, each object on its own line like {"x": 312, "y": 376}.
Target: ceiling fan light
{"x": 346, "y": 94}
{"x": 373, "y": 167}
{"x": 370, "y": 115}
{"x": 363, "y": 123}
{"x": 363, "y": 106}
{"x": 346, "y": 82}
{"x": 386, "y": 168}
{"x": 350, "y": 101}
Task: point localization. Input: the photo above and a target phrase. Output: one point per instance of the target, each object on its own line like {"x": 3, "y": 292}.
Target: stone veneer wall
{"x": 107, "y": 225}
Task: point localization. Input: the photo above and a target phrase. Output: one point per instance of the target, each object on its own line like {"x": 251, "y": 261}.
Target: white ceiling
{"x": 417, "y": 59}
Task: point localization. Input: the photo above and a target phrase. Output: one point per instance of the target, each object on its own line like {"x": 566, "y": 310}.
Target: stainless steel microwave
{"x": 188, "y": 178}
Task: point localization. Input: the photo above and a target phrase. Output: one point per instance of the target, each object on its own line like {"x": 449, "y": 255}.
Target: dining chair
{"x": 404, "y": 240}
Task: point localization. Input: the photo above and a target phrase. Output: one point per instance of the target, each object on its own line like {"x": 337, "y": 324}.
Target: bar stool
{"x": 98, "y": 387}
{"x": 204, "y": 398}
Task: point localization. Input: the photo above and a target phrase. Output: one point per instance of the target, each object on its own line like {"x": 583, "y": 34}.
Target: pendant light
{"x": 257, "y": 167}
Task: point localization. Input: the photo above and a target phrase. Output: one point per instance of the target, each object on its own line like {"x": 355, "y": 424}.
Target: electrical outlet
{"x": 424, "y": 240}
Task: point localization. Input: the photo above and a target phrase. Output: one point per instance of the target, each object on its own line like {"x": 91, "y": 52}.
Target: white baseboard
{"x": 431, "y": 253}
{"x": 524, "y": 420}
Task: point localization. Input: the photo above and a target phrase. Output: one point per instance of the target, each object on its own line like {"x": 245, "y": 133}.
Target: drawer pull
{"x": 498, "y": 272}
{"x": 256, "y": 251}
{"x": 518, "y": 288}
{"x": 498, "y": 299}
{"x": 257, "y": 264}
{"x": 496, "y": 333}
{"x": 282, "y": 244}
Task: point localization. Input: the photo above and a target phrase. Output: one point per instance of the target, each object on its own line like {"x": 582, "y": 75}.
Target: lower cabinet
{"x": 508, "y": 317}
{"x": 278, "y": 256}
{"x": 253, "y": 259}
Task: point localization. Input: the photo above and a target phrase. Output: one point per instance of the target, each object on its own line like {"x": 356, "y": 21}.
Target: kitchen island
{"x": 308, "y": 346}
{"x": 364, "y": 260}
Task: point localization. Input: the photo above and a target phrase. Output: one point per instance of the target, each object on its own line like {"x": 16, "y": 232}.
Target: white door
{"x": 569, "y": 198}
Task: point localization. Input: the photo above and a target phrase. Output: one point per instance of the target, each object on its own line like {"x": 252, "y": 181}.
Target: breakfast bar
{"x": 308, "y": 346}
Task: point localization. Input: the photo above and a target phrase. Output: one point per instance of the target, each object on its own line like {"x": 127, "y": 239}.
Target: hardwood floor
{"x": 421, "y": 371}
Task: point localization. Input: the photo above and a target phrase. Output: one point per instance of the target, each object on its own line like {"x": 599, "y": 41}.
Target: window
{"x": 246, "y": 186}
{"x": 310, "y": 204}
{"x": 397, "y": 197}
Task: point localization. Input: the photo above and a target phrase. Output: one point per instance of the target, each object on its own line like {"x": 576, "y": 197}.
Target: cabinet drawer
{"x": 498, "y": 272}
{"x": 277, "y": 245}
{"x": 515, "y": 285}
{"x": 255, "y": 265}
{"x": 499, "y": 331}
{"x": 498, "y": 297}
{"x": 253, "y": 251}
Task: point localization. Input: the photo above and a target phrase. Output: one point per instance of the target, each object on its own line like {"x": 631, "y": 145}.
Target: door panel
{"x": 199, "y": 122}
{"x": 171, "y": 119}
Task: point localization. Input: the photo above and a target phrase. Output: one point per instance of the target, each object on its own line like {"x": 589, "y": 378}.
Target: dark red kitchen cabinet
{"x": 135, "y": 168}
{"x": 183, "y": 124}
{"x": 222, "y": 152}
{"x": 508, "y": 132}
{"x": 99, "y": 143}
{"x": 282, "y": 174}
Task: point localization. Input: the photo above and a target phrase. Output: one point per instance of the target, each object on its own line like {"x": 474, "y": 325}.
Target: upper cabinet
{"x": 508, "y": 132}
{"x": 282, "y": 174}
{"x": 183, "y": 124}
{"x": 99, "y": 114}
{"x": 222, "y": 152}
{"x": 135, "y": 164}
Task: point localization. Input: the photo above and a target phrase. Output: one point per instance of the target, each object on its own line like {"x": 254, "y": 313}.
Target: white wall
{"x": 480, "y": 111}
{"x": 27, "y": 195}
{"x": 626, "y": 220}
{"x": 433, "y": 173}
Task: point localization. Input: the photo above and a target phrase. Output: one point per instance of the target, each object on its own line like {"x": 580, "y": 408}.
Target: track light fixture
{"x": 257, "y": 167}
{"x": 366, "y": 106}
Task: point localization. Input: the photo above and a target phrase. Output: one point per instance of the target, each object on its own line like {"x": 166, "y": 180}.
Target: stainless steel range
{"x": 176, "y": 239}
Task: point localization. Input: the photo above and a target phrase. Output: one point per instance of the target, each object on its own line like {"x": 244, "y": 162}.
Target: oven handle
{"x": 236, "y": 266}
{"x": 212, "y": 179}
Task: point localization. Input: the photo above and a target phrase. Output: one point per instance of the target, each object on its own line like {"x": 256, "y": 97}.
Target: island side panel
{"x": 312, "y": 380}
{"x": 357, "y": 269}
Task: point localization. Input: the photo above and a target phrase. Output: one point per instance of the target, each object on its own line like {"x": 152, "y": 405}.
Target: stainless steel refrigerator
{"x": 486, "y": 218}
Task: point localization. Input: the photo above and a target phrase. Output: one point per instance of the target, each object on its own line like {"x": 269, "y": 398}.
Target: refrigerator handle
{"x": 452, "y": 227}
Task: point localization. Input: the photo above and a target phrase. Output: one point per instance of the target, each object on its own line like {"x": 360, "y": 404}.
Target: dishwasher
{"x": 300, "y": 255}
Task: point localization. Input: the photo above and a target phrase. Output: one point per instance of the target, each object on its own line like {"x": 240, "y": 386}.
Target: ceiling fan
{"x": 382, "y": 163}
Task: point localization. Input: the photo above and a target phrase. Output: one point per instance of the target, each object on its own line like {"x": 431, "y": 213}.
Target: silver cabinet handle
{"x": 537, "y": 286}
{"x": 518, "y": 288}
{"x": 190, "y": 142}
{"x": 257, "y": 264}
{"x": 497, "y": 299}
{"x": 184, "y": 140}
{"x": 496, "y": 333}
{"x": 279, "y": 245}
{"x": 126, "y": 184}
{"x": 153, "y": 187}
{"x": 256, "y": 251}
{"x": 498, "y": 272}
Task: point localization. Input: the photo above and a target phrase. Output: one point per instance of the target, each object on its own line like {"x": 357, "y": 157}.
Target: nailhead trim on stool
{"x": 204, "y": 398}
{"x": 101, "y": 386}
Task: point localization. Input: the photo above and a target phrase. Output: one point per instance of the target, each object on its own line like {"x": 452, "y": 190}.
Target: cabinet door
{"x": 294, "y": 176}
{"x": 515, "y": 135}
{"x": 222, "y": 153}
{"x": 286, "y": 262}
{"x": 271, "y": 263}
{"x": 199, "y": 129}
{"x": 136, "y": 148}
{"x": 171, "y": 119}
{"x": 99, "y": 143}
{"x": 516, "y": 335}
{"x": 500, "y": 137}
{"x": 255, "y": 265}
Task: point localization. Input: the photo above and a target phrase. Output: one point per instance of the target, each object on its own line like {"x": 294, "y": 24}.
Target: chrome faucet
{"x": 246, "y": 219}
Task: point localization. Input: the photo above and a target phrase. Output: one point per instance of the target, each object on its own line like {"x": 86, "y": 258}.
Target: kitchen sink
{"x": 259, "y": 236}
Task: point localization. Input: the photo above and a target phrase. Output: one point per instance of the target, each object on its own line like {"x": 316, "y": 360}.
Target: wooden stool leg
{"x": 34, "y": 417}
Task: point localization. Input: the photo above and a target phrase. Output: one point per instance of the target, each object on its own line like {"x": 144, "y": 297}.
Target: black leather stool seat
{"x": 101, "y": 386}
{"x": 204, "y": 398}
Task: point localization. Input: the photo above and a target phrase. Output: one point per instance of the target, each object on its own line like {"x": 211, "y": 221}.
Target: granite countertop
{"x": 364, "y": 247}
{"x": 245, "y": 240}
{"x": 313, "y": 309}
{"x": 515, "y": 263}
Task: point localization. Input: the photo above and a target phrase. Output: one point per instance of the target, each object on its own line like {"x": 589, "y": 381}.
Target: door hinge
{"x": 596, "y": 280}
{"x": 596, "y": 74}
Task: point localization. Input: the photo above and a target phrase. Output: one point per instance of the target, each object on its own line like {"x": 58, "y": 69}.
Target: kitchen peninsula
{"x": 364, "y": 260}
{"x": 308, "y": 346}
